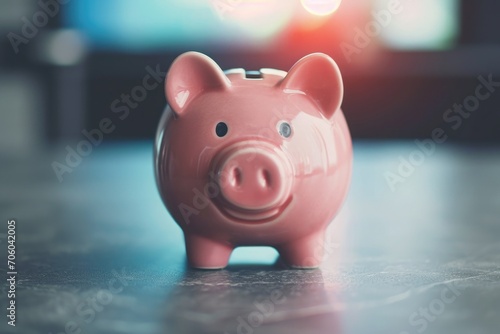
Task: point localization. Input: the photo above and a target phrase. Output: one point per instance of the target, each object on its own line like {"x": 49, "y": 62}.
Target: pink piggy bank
{"x": 253, "y": 158}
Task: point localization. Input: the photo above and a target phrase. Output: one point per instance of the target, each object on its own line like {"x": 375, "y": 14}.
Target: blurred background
{"x": 410, "y": 67}
{"x": 67, "y": 64}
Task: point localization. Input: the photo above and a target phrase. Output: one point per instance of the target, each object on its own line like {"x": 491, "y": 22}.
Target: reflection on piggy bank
{"x": 253, "y": 158}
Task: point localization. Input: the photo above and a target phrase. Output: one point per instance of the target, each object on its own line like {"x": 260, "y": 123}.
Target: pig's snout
{"x": 253, "y": 176}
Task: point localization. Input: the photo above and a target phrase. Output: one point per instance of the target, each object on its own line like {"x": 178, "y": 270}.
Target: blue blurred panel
{"x": 154, "y": 24}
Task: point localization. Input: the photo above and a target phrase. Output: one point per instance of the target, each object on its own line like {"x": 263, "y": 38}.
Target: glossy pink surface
{"x": 275, "y": 173}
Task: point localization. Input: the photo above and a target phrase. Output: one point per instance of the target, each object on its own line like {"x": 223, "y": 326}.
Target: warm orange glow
{"x": 321, "y": 7}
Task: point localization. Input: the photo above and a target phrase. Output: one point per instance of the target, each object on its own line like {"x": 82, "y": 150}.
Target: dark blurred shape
{"x": 479, "y": 25}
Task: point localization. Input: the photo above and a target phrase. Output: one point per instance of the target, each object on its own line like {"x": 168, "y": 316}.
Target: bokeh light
{"x": 259, "y": 20}
{"x": 321, "y": 7}
{"x": 422, "y": 25}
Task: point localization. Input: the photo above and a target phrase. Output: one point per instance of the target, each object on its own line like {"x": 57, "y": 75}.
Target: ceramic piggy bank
{"x": 253, "y": 158}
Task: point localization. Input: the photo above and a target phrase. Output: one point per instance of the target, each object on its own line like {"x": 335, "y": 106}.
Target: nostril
{"x": 265, "y": 178}
{"x": 235, "y": 177}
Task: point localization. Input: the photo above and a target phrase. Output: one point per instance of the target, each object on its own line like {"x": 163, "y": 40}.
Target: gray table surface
{"x": 98, "y": 253}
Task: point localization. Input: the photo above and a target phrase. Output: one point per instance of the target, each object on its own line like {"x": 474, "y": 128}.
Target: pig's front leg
{"x": 305, "y": 252}
{"x": 204, "y": 253}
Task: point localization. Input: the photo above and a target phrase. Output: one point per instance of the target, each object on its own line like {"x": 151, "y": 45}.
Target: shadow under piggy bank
{"x": 251, "y": 299}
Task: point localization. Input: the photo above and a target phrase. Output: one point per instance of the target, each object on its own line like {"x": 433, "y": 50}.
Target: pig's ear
{"x": 317, "y": 76}
{"x": 190, "y": 75}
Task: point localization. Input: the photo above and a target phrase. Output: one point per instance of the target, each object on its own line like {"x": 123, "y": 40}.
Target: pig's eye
{"x": 221, "y": 129}
{"x": 285, "y": 130}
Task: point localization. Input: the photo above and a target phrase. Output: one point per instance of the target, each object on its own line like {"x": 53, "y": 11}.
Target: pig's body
{"x": 278, "y": 175}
